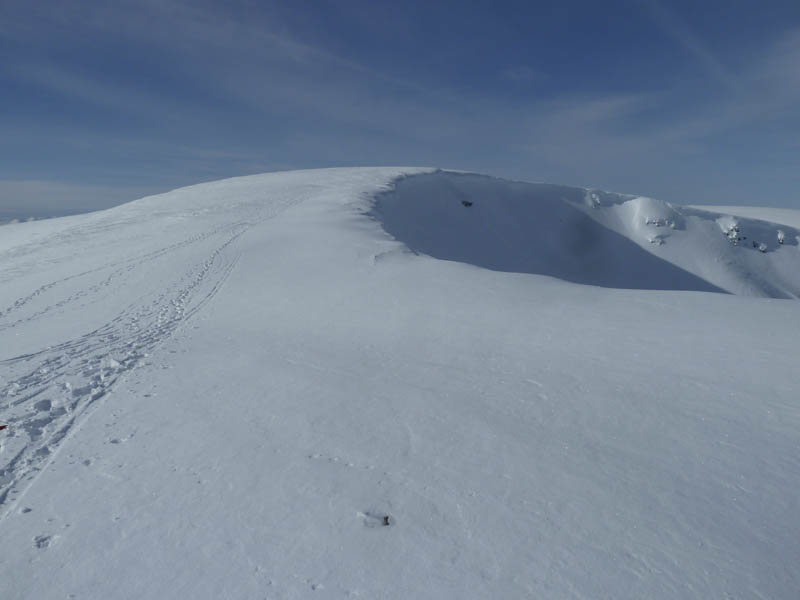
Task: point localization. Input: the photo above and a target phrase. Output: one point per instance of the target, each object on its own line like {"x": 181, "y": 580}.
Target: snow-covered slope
{"x": 224, "y": 391}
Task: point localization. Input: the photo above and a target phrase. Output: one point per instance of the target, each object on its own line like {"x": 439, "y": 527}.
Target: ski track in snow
{"x": 47, "y": 394}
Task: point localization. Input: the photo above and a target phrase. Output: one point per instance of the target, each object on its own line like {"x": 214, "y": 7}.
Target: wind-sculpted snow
{"x": 523, "y": 228}
{"x": 249, "y": 389}
{"x": 743, "y": 256}
{"x": 589, "y": 237}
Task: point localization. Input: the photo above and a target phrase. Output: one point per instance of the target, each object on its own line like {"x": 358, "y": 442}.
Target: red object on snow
{"x": 3, "y": 427}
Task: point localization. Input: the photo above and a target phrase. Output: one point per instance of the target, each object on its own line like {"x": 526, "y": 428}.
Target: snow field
{"x": 298, "y": 374}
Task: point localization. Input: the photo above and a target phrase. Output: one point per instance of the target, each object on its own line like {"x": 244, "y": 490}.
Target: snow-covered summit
{"x": 273, "y": 386}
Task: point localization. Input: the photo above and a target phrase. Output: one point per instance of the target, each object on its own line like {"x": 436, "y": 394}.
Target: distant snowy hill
{"x": 786, "y": 216}
{"x": 400, "y": 383}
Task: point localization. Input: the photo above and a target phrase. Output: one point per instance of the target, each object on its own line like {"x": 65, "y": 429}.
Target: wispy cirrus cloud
{"x": 246, "y": 93}
{"x": 677, "y": 30}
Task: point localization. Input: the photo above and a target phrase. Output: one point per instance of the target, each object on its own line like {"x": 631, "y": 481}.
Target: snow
{"x": 786, "y": 216}
{"x": 223, "y": 391}
{"x": 524, "y": 228}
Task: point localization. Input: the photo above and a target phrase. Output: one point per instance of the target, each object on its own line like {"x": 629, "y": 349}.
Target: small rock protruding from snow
{"x": 730, "y": 229}
{"x": 592, "y": 199}
{"x": 653, "y": 213}
{"x": 659, "y": 222}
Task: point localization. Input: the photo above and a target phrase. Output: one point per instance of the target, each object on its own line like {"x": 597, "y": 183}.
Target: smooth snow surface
{"x": 785, "y": 216}
{"x": 224, "y": 391}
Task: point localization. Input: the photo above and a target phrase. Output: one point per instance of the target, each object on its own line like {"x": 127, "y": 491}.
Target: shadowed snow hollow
{"x": 589, "y": 237}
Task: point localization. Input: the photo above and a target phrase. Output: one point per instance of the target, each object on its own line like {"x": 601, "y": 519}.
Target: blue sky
{"x": 692, "y": 102}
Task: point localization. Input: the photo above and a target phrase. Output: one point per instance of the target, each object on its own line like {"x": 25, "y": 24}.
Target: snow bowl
{"x": 520, "y": 227}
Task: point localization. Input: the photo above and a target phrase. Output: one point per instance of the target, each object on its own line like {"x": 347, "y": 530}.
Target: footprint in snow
{"x": 43, "y": 541}
{"x": 374, "y": 519}
{"x": 43, "y": 405}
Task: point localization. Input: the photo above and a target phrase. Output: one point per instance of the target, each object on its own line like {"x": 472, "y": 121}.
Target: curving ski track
{"x": 46, "y": 394}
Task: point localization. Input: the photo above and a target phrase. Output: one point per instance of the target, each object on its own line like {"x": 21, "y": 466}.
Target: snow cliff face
{"x": 590, "y": 237}
{"x": 273, "y": 386}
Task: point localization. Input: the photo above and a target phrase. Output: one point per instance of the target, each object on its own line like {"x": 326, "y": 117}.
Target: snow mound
{"x": 588, "y": 236}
